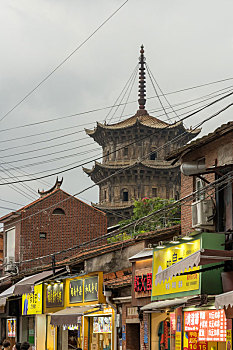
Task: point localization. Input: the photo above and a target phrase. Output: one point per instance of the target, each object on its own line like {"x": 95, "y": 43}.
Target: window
{"x": 105, "y": 194}
{"x": 43, "y": 235}
{"x": 200, "y": 184}
{"x": 10, "y": 243}
{"x": 177, "y": 196}
{"x": 125, "y": 196}
{"x": 154, "y": 192}
{"x": 126, "y": 151}
{"x": 153, "y": 156}
{"x": 107, "y": 155}
{"x": 58, "y": 211}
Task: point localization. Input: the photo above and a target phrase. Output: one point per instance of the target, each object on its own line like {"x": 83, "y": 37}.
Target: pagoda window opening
{"x": 153, "y": 156}
{"x": 154, "y": 192}
{"x": 107, "y": 155}
{"x": 125, "y": 195}
{"x": 105, "y": 194}
{"x": 126, "y": 151}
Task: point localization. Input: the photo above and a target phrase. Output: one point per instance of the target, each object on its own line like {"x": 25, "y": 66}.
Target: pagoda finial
{"x": 142, "y": 80}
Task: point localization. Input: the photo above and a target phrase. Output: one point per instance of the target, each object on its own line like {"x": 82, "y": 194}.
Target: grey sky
{"x": 186, "y": 43}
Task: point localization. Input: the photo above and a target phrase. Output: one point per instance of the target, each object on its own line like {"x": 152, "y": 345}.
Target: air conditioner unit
{"x": 202, "y": 214}
{"x": 9, "y": 263}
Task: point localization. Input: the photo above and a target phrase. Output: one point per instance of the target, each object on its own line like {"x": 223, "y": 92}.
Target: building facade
{"x": 54, "y": 222}
{"x": 134, "y": 164}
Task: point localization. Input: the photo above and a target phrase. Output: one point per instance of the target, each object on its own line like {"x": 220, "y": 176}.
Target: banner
{"x": 32, "y": 302}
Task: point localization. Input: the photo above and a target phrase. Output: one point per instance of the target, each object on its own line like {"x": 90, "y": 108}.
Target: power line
{"x": 63, "y": 61}
{"x": 126, "y": 168}
{"x": 90, "y": 160}
{"x": 67, "y": 142}
{"x": 215, "y": 184}
{"x": 104, "y": 108}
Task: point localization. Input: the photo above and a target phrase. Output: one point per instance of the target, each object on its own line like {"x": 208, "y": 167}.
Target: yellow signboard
{"x": 164, "y": 258}
{"x": 32, "y": 302}
{"x": 178, "y": 341}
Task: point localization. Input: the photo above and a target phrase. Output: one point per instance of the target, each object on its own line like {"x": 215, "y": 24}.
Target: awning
{"x": 26, "y": 285}
{"x": 69, "y": 316}
{"x": 160, "y": 305}
{"x": 201, "y": 257}
{"x": 224, "y": 300}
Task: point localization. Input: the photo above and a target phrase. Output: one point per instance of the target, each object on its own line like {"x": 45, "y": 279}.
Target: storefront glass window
{"x": 100, "y": 333}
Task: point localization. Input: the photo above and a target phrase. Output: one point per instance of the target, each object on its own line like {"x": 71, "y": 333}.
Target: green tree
{"x": 145, "y": 206}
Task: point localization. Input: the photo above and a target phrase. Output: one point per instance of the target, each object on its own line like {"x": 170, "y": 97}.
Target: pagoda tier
{"x": 105, "y": 133}
{"x": 120, "y": 185}
{"x": 101, "y": 171}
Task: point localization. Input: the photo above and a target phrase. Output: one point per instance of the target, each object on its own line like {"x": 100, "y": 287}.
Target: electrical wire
{"x": 90, "y": 160}
{"x": 104, "y": 108}
{"x": 215, "y": 184}
{"x": 62, "y": 62}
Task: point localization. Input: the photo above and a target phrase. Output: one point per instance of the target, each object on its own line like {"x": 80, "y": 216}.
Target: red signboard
{"x": 210, "y": 324}
{"x": 143, "y": 283}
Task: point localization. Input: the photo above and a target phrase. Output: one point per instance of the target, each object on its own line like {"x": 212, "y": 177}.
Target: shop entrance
{"x": 99, "y": 333}
{"x": 133, "y": 336}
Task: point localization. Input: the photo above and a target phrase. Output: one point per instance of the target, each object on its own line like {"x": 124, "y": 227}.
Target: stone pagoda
{"x": 134, "y": 164}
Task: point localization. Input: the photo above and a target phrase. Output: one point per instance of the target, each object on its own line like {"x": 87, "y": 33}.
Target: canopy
{"x": 26, "y": 285}
{"x": 201, "y": 257}
{"x": 224, "y": 300}
{"x": 160, "y": 305}
{"x": 69, "y": 316}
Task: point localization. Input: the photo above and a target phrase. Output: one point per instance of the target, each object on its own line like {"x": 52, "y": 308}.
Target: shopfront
{"x": 31, "y": 314}
{"x": 85, "y": 322}
{"x": 177, "y": 327}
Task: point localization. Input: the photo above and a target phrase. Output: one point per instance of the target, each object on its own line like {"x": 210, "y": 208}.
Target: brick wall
{"x": 210, "y": 152}
{"x": 80, "y": 223}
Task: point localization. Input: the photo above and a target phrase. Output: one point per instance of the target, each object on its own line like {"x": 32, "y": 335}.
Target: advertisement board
{"x": 54, "y": 295}
{"x": 11, "y": 327}
{"x": 32, "y": 302}
{"x": 163, "y": 258}
{"x": 210, "y": 325}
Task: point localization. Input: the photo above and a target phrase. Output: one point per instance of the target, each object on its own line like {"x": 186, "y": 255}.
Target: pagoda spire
{"x": 142, "y": 83}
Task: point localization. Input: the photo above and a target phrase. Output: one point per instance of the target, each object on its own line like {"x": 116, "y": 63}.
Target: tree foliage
{"x": 167, "y": 217}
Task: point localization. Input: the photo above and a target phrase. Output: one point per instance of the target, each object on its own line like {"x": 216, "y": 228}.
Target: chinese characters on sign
{"x": 167, "y": 257}
{"x": 143, "y": 283}
{"x": 54, "y": 295}
{"x": 32, "y": 302}
{"x": 90, "y": 288}
{"x": 210, "y": 325}
{"x": 76, "y": 291}
{"x": 83, "y": 289}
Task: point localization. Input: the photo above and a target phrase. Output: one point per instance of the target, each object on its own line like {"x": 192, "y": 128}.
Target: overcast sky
{"x": 187, "y": 43}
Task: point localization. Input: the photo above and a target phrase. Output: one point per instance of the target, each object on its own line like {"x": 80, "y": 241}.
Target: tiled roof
{"x": 118, "y": 279}
{"x": 221, "y": 131}
{"x": 155, "y": 164}
{"x": 18, "y": 212}
{"x": 112, "y": 207}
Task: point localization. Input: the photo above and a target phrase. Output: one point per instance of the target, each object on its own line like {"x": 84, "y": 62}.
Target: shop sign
{"x": 209, "y": 324}
{"x": 145, "y": 333}
{"x": 32, "y": 302}
{"x": 54, "y": 295}
{"x": 229, "y": 340}
{"x": 166, "y": 257}
{"x": 11, "y": 327}
{"x": 91, "y": 288}
{"x": 178, "y": 341}
{"x": 76, "y": 291}
{"x": 83, "y": 289}
{"x": 194, "y": 343}
{"x": 102, "y": 324}
{"x": 143, "y": 284}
